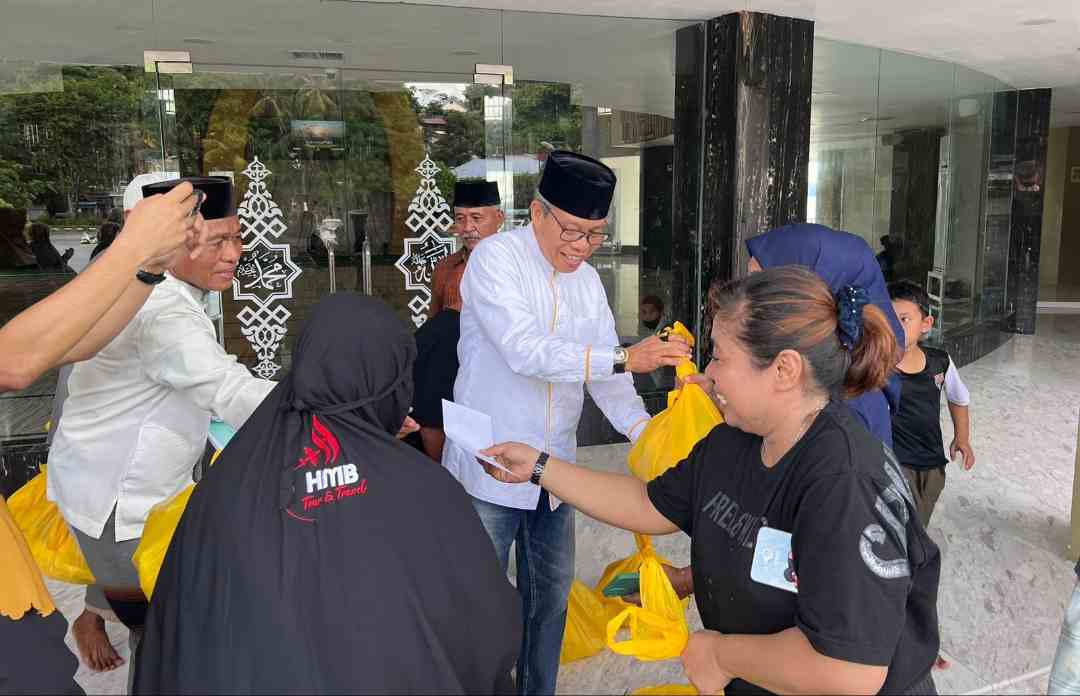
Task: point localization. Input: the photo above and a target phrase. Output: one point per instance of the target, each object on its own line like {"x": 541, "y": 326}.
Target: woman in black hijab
{"x": 320, "y": 554}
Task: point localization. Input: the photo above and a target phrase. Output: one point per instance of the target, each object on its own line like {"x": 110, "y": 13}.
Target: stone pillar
{"x": 755, "y": 135}
{"x": 1029, "y": 186}
{"x": 686, "y": 168}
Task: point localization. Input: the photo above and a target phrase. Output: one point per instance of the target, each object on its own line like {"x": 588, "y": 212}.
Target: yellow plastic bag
{"x": 658, "y": 628}
{"x": 586, "y": 617}
{"x": 594, "y": 620}
{"x": 160, "y": 526}
{"x": 589, "y": 611}
{"x": 672, "y": 433}
{"x": 50, "y": 540}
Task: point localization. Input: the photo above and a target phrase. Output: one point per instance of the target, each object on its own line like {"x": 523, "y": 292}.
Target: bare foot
{"x": 941, "y": 663}
{"x": 94, "y": 646}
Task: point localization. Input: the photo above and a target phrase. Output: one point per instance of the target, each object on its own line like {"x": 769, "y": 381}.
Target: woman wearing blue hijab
{"x": 840, "y": 259}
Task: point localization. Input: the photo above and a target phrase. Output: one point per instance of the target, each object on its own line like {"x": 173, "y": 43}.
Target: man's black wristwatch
{"x": 150, "y": 278}
{"x": 538, "y": 468}
{"x": 622, "y": 356}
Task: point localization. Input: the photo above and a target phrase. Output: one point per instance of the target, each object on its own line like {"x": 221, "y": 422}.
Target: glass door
{"x": 344, "y": 179}
{"x": 410, "y": 136}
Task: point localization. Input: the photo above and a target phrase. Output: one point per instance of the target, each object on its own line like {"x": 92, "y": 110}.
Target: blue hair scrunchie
{"x": 850, "y": 302}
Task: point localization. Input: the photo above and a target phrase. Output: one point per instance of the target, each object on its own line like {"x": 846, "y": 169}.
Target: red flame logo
{"x": 327, "y": 451}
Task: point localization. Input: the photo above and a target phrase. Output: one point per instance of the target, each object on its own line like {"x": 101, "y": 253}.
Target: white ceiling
{"x": 1023, "y": 43}
{"x": 625, "y": 63}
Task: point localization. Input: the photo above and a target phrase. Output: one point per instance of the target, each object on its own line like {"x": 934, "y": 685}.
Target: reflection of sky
{"x": 479, "y": 168}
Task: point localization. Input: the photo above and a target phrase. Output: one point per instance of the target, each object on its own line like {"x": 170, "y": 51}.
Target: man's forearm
{"x": 112, "y": 323}
{"x": 38, "y": 338}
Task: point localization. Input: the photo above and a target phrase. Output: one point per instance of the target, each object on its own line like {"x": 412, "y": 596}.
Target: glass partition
{"x": 71, "y": 137}
{"x": 915, "y": 156}
{"x": 370, "y": 156}
{"x": 350, "y": 117}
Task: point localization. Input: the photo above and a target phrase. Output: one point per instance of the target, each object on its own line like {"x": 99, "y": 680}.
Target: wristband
{"x": 538, "y": 469}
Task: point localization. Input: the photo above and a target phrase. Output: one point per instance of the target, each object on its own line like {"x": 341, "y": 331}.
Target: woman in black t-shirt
{"x": 860, "y": 616}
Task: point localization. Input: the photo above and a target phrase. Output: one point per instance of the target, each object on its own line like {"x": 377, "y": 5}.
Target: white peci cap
{"x": 133, "y": 192}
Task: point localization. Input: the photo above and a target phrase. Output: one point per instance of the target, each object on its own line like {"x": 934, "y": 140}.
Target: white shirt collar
{"x": 196, "y": 293}
{"x": 534, "y": 244}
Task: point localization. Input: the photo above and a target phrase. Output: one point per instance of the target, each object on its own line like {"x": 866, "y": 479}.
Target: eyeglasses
{"x": 595, "y": 238}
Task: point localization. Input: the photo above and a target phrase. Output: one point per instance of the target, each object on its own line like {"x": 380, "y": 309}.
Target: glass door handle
{"x": 366, "y": 265}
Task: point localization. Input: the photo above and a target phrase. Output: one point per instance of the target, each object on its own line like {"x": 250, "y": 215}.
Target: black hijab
{"x": 320, "y": 554}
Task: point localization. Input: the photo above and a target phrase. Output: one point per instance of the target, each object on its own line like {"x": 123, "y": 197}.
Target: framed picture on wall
{"x": 1074, "y": 175}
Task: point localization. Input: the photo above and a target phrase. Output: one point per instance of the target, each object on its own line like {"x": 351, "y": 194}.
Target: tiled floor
{"x": 1003, "y": 529}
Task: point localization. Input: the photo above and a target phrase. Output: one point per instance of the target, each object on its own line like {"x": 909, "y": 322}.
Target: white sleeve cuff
{"x": 637, "y": 429}
{"x": 599, "y": 362}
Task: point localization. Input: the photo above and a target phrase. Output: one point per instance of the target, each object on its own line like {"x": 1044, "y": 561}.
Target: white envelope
{"x": 470, "y": 430}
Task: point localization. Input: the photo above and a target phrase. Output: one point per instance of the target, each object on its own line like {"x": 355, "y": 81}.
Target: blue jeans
{"x": 1065, "y": 676}
{"x": 545, "y": 569}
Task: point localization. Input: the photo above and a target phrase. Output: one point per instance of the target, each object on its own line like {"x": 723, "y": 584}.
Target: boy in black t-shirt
{"x": 924, "y": 371}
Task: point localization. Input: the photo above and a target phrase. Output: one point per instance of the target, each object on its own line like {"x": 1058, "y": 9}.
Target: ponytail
{"x": 848, "y": 344}
{"x": 873, "y": 357}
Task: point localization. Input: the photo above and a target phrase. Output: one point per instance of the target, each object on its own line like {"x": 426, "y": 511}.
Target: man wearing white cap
{"x": 137, "y": 416}
{"x": 536, "y": 329}
{"x": 89, "y": 628}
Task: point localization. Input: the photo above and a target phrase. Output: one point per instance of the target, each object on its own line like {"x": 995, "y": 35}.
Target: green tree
{"x": 543, "y": 113}
{"x": 88, "y": 133}
{"x": 463, "y": 141}
{"x": 18, "y": 190}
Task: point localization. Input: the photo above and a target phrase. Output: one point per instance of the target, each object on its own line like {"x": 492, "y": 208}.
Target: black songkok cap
{"x": 476, "y": 194}
{"x": 577, "y": 184}
{"x": 218, "y": 189}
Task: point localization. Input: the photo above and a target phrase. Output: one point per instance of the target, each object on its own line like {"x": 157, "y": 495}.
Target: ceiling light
{"x": 198, "y": 40}
{"x": 465, "y": 52}
{"x": 823, "y": 93}
{"x": 1041, "y": 21}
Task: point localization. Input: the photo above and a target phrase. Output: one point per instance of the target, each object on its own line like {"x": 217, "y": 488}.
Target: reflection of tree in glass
{"x": 461, "y": 139}
{"x": 543, "y": 113}
{"x": 73, "y": 140}
{"x": 18, "y": 187}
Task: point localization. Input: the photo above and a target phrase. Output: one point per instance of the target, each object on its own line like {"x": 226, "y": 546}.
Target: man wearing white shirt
{"x": 137, "y": 415}
{"x": 536, "y": 327}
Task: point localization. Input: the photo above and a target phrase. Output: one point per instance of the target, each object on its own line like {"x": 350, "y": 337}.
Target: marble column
{"x": 1029, "y": 185}
{"x": 686, "y": 169}
{"x": 755, "y": 135}
{"x": 916, "y": 158}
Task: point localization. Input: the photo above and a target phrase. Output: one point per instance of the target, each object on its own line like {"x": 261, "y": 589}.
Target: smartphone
{"x": 623, "y": 584}
{"x": 774, "y": 564}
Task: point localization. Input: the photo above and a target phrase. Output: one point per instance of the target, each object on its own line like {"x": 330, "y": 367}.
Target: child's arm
{"x": 961, "y": 435}
{"x": 956, "y": 393}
